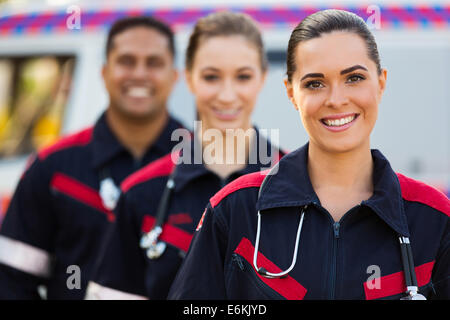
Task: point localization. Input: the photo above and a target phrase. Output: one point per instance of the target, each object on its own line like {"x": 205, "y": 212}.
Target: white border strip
{"x": 97, "y": 292}
{"x": 24, "y": 257}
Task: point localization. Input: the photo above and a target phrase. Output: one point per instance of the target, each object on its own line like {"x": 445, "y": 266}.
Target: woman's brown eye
{"x": 355, "y": 78}
{"x": 210, "y": 77}
{"x": 244, "y": 77}
{"x": 313, "y": 85}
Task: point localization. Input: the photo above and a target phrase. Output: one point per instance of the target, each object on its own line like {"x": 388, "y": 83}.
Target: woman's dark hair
{"x": 124, "y": 24}
{"x": 225, "y": 23}
{"x": 327, "y": 21}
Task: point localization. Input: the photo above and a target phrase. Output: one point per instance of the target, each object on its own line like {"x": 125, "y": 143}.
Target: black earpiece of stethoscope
{"x": 405, "y": 247}
{"x": 149, "y": 240}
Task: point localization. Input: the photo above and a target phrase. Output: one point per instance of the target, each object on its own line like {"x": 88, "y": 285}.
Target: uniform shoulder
{"x": 159, "y": 168}
{"x": 246, "y": 181}
{"x": 79, "y": 138}
{"x": 415, "y": 190}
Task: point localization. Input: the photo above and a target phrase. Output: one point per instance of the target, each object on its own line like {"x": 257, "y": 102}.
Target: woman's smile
{"x": 228, "y": 114}
{"x": 339, "y": 122}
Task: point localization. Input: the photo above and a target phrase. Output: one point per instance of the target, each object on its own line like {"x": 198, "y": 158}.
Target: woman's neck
{"x": 341, "y": 180}
{"x": 227, "y": 153}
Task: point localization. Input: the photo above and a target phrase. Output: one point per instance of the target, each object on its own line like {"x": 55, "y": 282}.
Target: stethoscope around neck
{"x": 150, "y": 240}
{"x": 405, "y": 249}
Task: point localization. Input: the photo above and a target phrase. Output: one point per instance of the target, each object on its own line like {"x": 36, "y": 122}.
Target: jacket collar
{"x": 106, "y": 146}
{"x": 188, "y": 171}
{"x": 291, "y": 186}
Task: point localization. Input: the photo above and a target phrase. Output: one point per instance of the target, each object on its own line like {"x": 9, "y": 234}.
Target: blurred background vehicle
{"x": 51, "y": 53}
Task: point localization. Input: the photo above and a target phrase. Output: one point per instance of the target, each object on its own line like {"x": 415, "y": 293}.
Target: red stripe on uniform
{"x": 288, "y": 287}
{"x": 77, "y": 139}
{"x": 159, "y": 168}
{"x": 179, "y": 218}
{"x": 79, "y": 191}
{"x": 170, "y": 234}
{"x": 414, "y": 190}
{"x": 247, "y": 181}
{"x": 393, "y": 284}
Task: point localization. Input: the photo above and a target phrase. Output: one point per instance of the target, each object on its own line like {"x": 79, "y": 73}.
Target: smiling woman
{"x": 335, "y": 209}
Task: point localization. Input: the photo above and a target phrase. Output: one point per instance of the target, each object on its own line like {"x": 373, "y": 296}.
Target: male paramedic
{"x": 64, "y": 201}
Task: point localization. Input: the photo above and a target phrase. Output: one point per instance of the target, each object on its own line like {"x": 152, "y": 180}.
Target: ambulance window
{"x": 276, "y": 57}
{"x": 33, "y": 98}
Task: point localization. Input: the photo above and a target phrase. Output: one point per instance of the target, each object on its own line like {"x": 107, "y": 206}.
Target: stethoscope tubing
{"x": 282, "y": 274}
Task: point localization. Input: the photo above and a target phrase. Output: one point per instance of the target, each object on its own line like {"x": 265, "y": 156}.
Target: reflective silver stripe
{"x": 24, "y": 257}
{"x": 97, "y": 292}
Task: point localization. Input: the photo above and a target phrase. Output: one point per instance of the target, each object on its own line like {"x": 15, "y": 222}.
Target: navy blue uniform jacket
{"x": 125, "y": 271}
{"x": 56, "y": 219}
{"x": 357, "y": 257}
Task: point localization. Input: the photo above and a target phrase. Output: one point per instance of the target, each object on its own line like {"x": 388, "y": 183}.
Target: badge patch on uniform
{"x": 200, "y": 223}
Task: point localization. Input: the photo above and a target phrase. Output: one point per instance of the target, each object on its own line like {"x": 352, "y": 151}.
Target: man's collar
{"x": 106, "y": 146}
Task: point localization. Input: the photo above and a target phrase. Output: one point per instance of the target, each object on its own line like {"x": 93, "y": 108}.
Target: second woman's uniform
{"x": 358, "y": 257}
{"x": 125, "y": 270}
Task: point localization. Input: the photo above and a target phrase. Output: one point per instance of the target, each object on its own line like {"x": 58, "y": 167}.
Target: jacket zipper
{"x": 336, "y": 227}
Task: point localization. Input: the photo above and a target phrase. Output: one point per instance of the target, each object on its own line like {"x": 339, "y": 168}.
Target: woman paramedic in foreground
{"x": 335, "y": 221}
{"x": 225, "y": 70}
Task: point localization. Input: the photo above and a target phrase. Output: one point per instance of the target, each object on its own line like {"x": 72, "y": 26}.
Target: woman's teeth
{"x": 229, "y": 112}
{"x": 339, "y": 122}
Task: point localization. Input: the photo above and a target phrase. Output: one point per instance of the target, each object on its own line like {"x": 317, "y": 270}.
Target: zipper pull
{"x": 238, "y": 260}
{"x": 336, "y": 229}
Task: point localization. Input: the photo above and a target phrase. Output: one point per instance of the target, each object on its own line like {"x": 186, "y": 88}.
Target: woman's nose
{"x": 337, "y": 97}
{"x": 227, "y": 93}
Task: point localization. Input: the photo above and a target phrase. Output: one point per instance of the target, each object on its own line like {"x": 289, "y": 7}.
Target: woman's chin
{"x": 341, "y": 146}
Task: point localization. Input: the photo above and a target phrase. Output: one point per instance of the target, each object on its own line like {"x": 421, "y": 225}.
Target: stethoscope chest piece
{"x": 412, "y": 294}
{"x": 109, "y": 193}
{"x": 150, "y": 242}
{"x": 155, "y": 251}
{"x": 416, "y": 296}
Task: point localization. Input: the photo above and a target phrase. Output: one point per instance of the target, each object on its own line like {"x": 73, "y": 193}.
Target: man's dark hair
{"x": 124, "y": 24}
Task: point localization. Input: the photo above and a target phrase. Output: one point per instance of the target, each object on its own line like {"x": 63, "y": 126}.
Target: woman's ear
{"x": 188, "y": 78}
{"x": 382, "y": 82}
{"x": 176, "y": 75}
{"x": 103, "y": 71}
{"x": 290, "y": 92}
{"x": 263, "y": 78}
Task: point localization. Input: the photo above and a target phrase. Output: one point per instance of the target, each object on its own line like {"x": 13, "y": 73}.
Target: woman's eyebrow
{"x": 312, "y": 75}
{"x": 355, "y": 67}
{"x": 320, "y": 75}
{"x": 209, "y": 68}
{"x": 245, "y": 68}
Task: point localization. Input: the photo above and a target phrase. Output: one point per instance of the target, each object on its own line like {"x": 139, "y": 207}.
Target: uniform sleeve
{"x": 120, "y": 270}
{"x": 441, "y": 272}
{"x": 26, "y": 236}
{"x": 201, "y": 275}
